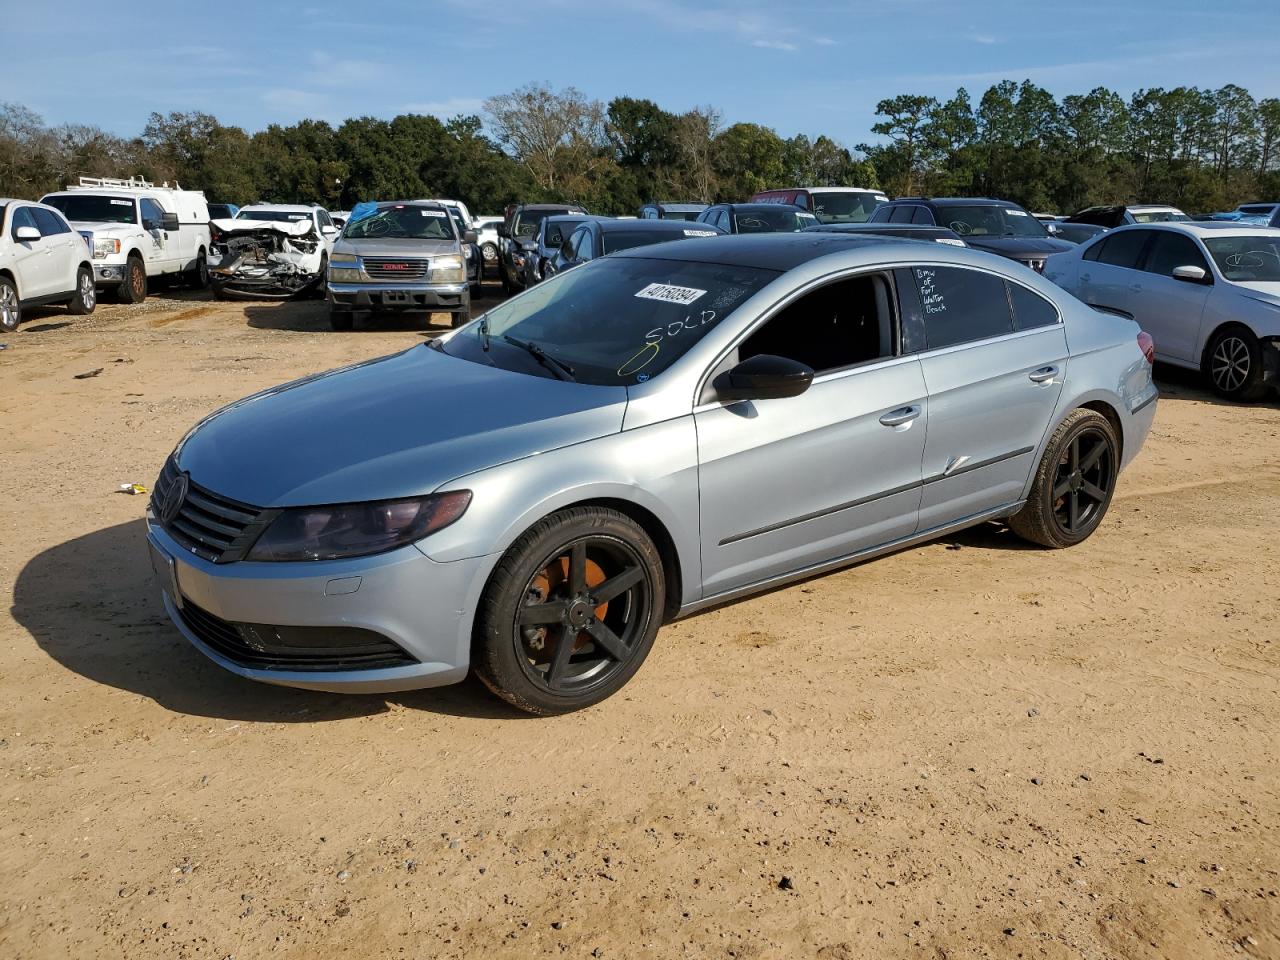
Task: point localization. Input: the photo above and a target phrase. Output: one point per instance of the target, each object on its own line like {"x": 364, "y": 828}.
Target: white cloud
{"x": 446, "y": 109}
{"x": 826, "y": 42}
{"x": 774, "y": 44}
{"x": 982, "y": 38}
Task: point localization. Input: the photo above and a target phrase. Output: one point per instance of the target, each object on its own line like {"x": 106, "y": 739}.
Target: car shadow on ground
{"x": 1179, "y": 383}
{"x": 92, "y": 605}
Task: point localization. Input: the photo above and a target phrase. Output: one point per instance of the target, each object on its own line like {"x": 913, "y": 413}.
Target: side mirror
{"x": 26, "y": 234}
{"x": 504, "y": 231}
{"x": 764, "y": 377}
{"x": 329, "y": 231}
{"x": 1191, "y": 274}
{"x": 169, "y": 221}
{"x": 469, "y": 237}
{"x": 1051, "y": 227}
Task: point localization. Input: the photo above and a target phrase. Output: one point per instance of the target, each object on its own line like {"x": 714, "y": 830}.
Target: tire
{"x": 1073, "y": 484}
{"x": 322, "y": 288}
{"x": 488, "y": 255}
{"x": 460, "y": 317}
{"x": 86, "y": 295}
{"x": 341, "y": 319}
{"x": 530, "y": 605}
{"x": 10, "y": 306}
{"x": 133, "y": 288}
{"x": 1233, "y": 365}
{"x": 197, "y": 277}
{"x": 508, "y": 288}
{"x": 476, "y": 291}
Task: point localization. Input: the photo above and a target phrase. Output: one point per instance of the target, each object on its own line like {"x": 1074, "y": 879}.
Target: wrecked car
{"x": 274, "y": 253}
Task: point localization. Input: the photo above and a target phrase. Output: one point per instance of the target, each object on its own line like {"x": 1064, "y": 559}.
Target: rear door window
{"x": 956, "y": 305}
{"x": 1169, "y": 250}
{"x": 1124, "y": 249}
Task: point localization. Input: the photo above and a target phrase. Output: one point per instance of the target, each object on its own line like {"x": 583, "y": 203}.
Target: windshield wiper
{"x": 484, "y": 334}
{"x": 562, "y": 370}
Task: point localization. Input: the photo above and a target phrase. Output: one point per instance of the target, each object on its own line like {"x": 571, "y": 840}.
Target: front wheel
{"x": 10, "y": 306}
{"x": 1233, "y": 364}
{"x": 133, "y": 289}
{"x": 570, "y": 612}
{"x": 1073, "y": 483}
{"x": 86, "y": 296}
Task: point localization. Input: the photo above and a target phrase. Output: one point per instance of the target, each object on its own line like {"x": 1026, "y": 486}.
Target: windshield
{"x": 88, "y": 208}
{"x": 616, "y": 321}
{"x": 991, "y": 221}
{"x": 844, "y": 207}
{"x": 1246, "y": 258}
{"x": 275, "y": 216}
{"x": 413, "y": 223}
{"x": 527, "y": 221}
{"x": 1159, "y": 216}
{"x": 780, "y": 220}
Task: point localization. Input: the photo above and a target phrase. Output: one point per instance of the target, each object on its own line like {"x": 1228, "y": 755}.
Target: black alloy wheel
{"x": 1073, "y": 484}
{"x": 570, "y": 612}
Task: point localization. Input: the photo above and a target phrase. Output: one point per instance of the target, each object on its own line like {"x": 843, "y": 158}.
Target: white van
{"x": 137, "y": 230}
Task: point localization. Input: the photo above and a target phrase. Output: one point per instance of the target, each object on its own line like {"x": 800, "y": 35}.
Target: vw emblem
{"x": 173, "y": 499}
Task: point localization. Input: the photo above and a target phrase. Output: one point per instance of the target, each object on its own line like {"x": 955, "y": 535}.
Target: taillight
{"x": 1147, "y": 346}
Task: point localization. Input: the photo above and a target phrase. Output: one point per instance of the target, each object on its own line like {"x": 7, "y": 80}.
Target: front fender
{"x": 654, "y": 467}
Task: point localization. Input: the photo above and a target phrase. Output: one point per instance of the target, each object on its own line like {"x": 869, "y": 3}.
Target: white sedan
{"x": 1208, "y": 293}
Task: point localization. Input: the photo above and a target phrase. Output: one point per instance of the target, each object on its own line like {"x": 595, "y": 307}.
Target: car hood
{"x": 290, "y": 228}
{"x": 396, "y": 247}
{"x": 104, "y": 229}
{"x": 1263, "y": 291}
{"x": 1016, "y": 247}
{"x": 392, "y": 427}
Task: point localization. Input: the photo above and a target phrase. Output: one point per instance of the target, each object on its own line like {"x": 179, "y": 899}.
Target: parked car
{"x": 1046, "y": 217}
{"x": 516, "y": 240}
{"x": 656, "y": 432}
{"x": 339, "y": 217}
{"x": 1117, "y": 215}
{"x": 1209, "y": 293}
{"x": 828, "y": 204}
{"x": 271, "y": 252}
{"x": 223, "y": 211}
{"x": 1074, "y": 232}
{"x": 138, "y": 232}
{"x": 1266, "y": 214}
{"x": 406, "y": 256}
{"x": 551, "y": 235}
{"x": 997, "y": 226}
{"x": 906, "y": 231}
{"x": 757, "y": 217}
{"x": 669, "y": 210}
{"x": 487, "y": 236}
{"x": 470, "y": 252}
{"x": 599, "y": 236}
{"x": 42, "y": 261}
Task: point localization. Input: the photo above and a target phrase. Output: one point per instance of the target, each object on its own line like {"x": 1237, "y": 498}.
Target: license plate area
{"x": 395, "y": 296}
{"x": 166, "y": 572}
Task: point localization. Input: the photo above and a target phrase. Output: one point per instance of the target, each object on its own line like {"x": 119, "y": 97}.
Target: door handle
{"x": 1085, "y": 277}
{"x": 1136, "y": 287}
{"x": 896, "y": 418}
{"x": 1043, "y": 375}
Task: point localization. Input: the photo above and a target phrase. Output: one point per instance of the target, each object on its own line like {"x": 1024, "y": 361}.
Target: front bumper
{"x": 397, "y": 296}
{"x": 424, "y": 606}
{"x": 107, "y": 274}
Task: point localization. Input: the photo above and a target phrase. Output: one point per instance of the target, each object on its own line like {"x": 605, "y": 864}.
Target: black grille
{"x": 395, "y": 268}
{"x": 210, "y": 526}
{"x": 264, "y": 647}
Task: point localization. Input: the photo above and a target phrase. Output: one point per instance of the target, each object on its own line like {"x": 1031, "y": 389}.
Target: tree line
{"x": 1200, "y": 149}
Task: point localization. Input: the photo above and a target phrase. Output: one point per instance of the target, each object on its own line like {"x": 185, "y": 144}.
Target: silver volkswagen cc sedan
{"x": 532, "y": 495}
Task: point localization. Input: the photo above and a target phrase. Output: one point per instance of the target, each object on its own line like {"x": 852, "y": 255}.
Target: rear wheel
{"x": 86, "y": 296}
{"x": 198, "y": 276}
{"x": 10, "y": 307}
{"x": 571, "y": 611}
{"x": 1073, "y": 483}
{"x": 133, "y": 288}
{"x": 1233, "y": 364}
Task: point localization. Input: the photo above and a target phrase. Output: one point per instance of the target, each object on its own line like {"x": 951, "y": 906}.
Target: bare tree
{"x": 558, "y": 136}
{"x": 696, "y": 132}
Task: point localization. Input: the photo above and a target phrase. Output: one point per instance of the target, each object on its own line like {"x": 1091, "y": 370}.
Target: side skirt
{"x": 870, "y": 553}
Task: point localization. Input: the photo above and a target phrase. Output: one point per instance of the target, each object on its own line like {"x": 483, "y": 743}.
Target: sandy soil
{"x": 973, "y": 749}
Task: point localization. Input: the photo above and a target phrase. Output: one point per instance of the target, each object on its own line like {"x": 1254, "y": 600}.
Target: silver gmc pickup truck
{"x": 406, "y": 256}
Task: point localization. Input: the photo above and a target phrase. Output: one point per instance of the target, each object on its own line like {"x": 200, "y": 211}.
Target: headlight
{"x": 344, "y": 275}
{"x": 105, "y": 248}
{"x": 448, "y": 269}
{"x": 356, "y": 529}
{"x": 342, "y": 258}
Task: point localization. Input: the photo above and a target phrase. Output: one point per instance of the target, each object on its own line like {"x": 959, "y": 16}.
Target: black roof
{"x": 652, "y": 226}
{"x": 550, "y": 206}
{"x": 771, "y": 251}
{"x": 879, "y": 228}
{"x": 948, "y": 201}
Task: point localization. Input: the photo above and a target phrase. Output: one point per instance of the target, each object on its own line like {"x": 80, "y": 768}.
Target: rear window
{"x": 844, "y": 207}
{"x": 781, "y": 220}
{"x": 626, "y": 239}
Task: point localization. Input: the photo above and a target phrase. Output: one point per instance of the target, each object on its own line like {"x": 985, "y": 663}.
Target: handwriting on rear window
{"x": 930, "y": 296}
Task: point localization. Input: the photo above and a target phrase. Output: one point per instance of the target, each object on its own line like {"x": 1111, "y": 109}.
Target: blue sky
{"x": 806, "y": 67}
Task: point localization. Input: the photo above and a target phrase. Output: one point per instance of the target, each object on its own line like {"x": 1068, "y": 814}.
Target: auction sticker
{"x": 669, "y": 294}
{"x": 434, "y": 213}
{"x": 700, "y": 233}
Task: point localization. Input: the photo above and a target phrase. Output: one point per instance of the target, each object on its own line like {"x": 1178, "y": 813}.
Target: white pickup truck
{"x": 138, "y": 231}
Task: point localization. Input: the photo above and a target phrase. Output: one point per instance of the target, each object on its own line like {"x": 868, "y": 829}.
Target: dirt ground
{"x": 972, "y": 749}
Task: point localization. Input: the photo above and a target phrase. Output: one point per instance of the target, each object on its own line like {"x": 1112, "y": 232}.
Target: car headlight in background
{"x": 356, "y": 529}
{"x": 448, "y": 269}
{"x": 105, "y": 247}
